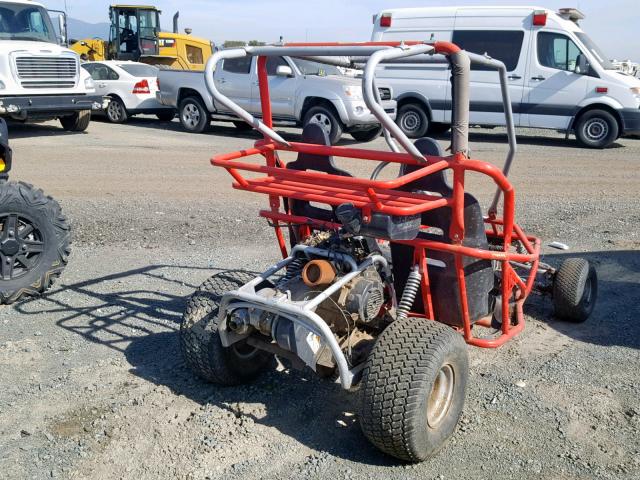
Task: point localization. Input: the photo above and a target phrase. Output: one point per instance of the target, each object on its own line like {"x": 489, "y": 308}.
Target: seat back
{"x": 442, "y": 274}
{"x": 319, "y": 163}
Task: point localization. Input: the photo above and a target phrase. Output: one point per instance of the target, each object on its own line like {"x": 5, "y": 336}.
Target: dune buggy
{"x": 384, "y": 280}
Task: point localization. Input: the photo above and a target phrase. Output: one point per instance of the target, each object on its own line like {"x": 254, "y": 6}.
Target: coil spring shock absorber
{"x": 294, "y": 268}
{"x": 409, "y": 293}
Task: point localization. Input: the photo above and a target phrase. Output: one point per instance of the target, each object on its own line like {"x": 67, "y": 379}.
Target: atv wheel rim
{"x": 440, "y": 397}
{"x": 191, "y": 115}
{"x": 323, "y": 120}
{"x": 114, "y": 110}
{"x": 596, "y": 129}
{"x": 410, "y": 122}
{"x": 21, "y": 246}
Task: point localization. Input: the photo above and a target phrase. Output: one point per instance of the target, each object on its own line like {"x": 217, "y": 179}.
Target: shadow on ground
{"x": 143, "y": 325}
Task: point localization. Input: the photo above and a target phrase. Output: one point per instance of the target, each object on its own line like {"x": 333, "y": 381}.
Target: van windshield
{"x": 595, "y": 51}
{"x": 307, "y": 67}
{"x": 25, "y": 22}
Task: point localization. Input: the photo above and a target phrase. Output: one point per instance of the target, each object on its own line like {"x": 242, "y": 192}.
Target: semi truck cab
{"x": 41, "y": 79}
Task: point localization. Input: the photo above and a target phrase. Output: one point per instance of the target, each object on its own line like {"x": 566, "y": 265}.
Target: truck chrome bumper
{"x": 51, "y": 104}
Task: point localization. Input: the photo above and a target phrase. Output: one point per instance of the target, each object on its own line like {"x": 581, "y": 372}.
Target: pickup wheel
{"x": 327, "y": 119}
{"x": 78, "y": 122}
{"x": 413, "y": 120}
{"x": 367, "y": 135}
{"x": 194, "y": 116}
{"x": 166, "y": 116}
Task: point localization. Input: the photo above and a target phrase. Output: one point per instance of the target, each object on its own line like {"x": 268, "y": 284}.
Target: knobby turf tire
{"x": 23, "y": 199}
{"x": 397, "y": 381}
{"x": 200, "y": 342}
{"x": 575, "y": 288}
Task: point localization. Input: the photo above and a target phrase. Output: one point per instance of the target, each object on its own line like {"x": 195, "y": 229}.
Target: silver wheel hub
{"x": 191, "y": 115}
{"x": 323, "y": 120}
{"x": 596, "y": 129}
{"x": 440, "y": 397}
{"x": 114, "y": 110}
{"x": 411, "y": 121}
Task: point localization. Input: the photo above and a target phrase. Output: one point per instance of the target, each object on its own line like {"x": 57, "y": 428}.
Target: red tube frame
{"x": 383, "y": 196}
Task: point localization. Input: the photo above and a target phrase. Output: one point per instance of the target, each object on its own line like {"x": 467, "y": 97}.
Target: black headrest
{"x": 313, "y": 133}
{"x": 436, "y": 182}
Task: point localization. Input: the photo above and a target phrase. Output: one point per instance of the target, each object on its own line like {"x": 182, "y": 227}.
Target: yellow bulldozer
{"x": 135, "y": 35}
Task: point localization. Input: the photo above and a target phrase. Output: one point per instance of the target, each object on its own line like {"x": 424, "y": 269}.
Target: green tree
{"x": 233, "y": 43}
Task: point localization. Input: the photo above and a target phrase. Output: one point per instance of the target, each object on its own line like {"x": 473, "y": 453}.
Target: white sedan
{"x": 132, "y": 88}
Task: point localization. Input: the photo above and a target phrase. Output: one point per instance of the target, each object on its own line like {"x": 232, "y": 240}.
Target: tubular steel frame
{"x": 382, "y": 196}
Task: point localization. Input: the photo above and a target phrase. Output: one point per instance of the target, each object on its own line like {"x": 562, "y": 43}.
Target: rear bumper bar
{"x": 53, "y": 105}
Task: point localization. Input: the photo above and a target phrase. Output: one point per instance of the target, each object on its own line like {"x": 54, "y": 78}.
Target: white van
{"x": 558, "y": 78}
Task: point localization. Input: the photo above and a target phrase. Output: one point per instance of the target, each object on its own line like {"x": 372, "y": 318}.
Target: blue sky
{"x": 612, "y": 24}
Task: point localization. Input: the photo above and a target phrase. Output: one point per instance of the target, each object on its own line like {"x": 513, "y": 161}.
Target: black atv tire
{"x": 413, "y": 388}
{"x": 200, "y": 342}
{"x": 34, "y": 241}
{"x": 78, "y": 122}
{"x": 575, "y": 289}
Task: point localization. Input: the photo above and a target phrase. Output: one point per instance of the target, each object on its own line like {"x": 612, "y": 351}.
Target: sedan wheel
{"x": 116, "y": 111}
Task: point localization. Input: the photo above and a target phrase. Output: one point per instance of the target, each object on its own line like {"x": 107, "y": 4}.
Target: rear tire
{"x": 116, "y": 111}
{"x": 34, "y": 241}
{"x": 166, "y": 116}
{"x": 367, "y": 135}
{"x": 413, "y": 120}
{"x": 200, "y": 341}
{"x": 242, "y": 126}
{"x": 78, "y": 122}
{"x": 194, "y": 116}
{"x": 413, "y": 388}
{"x": 575, "y": 290}
{"x": 596, "y": 129}
{"x": 327, "y": 119}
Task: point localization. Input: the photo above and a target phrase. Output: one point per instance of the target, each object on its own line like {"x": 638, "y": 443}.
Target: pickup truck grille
{"x": 47, "y": 72}
{"x": 385, "y": 93}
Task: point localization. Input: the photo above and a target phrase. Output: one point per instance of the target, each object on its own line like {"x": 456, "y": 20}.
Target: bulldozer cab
{"x": 134, "y": 31}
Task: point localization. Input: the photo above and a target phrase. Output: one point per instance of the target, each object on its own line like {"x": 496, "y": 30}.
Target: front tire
{"x": 413, "y": 388}
{"x": 194, "y": 116}
{"x": 575, "y": 289}
{"x": 34, "y": 241}
{"x": 367, "y": 135}
{"x": 78, "y": 122}
{"x": 596, "y": 129}
{"x": 327, "y": 119}
{"x": 116, "y": 111}
{"x": 413, "y": 120}
{"x": 200, "y": 341}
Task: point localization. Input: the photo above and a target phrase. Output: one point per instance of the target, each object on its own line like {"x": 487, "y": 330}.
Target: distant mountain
{"x": 78, "y": 29}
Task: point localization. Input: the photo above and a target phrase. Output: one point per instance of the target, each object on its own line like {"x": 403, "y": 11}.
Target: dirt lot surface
{"x": 93, "y": 384}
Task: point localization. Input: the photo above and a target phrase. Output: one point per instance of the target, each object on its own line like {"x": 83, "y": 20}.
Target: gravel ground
{"x": 93, "y": 384}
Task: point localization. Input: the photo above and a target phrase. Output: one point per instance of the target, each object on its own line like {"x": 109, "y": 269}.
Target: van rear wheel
{"x": 413, "y": 120}
{"x": 596, "y": 129}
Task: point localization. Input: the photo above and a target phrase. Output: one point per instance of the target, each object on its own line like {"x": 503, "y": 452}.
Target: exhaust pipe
{"x": 175, "y": 22}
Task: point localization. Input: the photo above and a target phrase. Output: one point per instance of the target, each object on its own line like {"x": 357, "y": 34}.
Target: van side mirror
{"x": 284, "y": 71}
{"x": 582, "y": 65}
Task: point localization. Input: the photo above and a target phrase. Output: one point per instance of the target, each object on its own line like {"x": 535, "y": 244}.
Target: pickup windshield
{"x": 25, "y": 22}
{"x": 595, "y": 51}
{"x": 308, "y": 67}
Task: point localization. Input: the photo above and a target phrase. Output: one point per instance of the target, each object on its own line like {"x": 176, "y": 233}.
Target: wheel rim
{"x": 596, "y": 129}
{"x": 244, "y": 350}
{"x": 21, "y": 246}
{"x": 191, "y": 115}
{"x": 587, "y": 294}
{"x": 114, "y": 110}
{"x": 323, "y": 120}
{"x": 411, "y": 121}
{"x": 440, "y": 397}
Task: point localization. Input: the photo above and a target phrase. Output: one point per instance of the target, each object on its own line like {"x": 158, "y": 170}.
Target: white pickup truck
{"x": 39, "y": 78}
{"x": 301, "y": 91}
